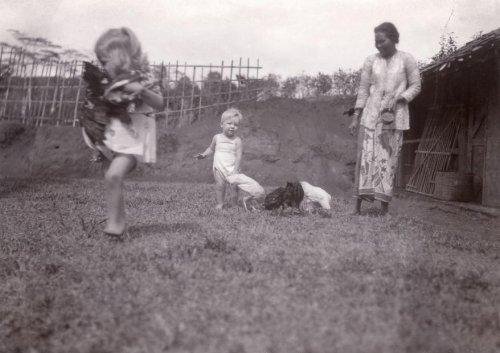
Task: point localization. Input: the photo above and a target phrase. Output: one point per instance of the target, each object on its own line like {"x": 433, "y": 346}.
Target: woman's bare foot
{"x": 384, "y": 207}
{"x": 356, "y": 211}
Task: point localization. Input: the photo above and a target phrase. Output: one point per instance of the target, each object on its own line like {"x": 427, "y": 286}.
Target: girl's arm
{"x": 150, "y": 97}
{"x": 239, "y": 153}
{"x": 208, "y": 151}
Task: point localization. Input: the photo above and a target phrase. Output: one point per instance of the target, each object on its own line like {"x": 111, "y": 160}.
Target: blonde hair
{"x": 119, "y": 50}
{"x": 231, "y": 113}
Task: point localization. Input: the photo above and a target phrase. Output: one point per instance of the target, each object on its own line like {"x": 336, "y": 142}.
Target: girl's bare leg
{"x": 120, "y": 166}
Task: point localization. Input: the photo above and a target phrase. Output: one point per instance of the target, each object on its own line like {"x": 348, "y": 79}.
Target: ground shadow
{"x": 140, "y": 230}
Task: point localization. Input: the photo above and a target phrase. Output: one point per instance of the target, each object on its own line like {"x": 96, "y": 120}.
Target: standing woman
{"x": 390, "y": 79}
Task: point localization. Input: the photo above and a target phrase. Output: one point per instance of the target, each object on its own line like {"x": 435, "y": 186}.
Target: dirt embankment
{"x": 283, "y": 140}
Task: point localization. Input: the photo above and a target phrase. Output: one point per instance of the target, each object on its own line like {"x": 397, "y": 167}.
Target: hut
{"x": 452, "y": 150}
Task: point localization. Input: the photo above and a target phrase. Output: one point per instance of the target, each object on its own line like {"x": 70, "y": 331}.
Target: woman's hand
{"x": 200, "y": 156}
{"x": 401, "y": 99}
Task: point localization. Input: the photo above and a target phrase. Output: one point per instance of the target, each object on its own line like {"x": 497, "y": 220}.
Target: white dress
{"x": 224, "y": 156}
{"x": 137, "y": 138}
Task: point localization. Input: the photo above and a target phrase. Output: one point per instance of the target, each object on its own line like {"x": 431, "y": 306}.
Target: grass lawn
{"x": 186, "y": 278}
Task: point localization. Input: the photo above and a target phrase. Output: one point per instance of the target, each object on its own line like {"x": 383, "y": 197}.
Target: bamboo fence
{"x": 52, "y": 92}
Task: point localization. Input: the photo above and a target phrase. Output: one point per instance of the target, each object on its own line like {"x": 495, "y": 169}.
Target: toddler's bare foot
{"x": 114, "y": 228}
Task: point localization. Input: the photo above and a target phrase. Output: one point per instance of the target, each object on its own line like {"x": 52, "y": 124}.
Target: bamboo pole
{"x": 248, "y": 79}
{"x": 221, "y": 82}
{"x": 201, "y": 94}
{"x": 61, "y": 94}
{"x": 193, "y": 84}
{"x": 56, "y": 88}
{"x": 77, "y": 100}
{"x": 12, "y": 114}
{"x": 45, "y": 88}
{"x": 209, "y": 96}
{"x": 6, "y": 94}
{"x": 29, "y": 93}
{"x": 167, "y": 103}
{"x": 239, "y": 78}
{"x": 183, "y": 94}
{"x": 230, "y": 84}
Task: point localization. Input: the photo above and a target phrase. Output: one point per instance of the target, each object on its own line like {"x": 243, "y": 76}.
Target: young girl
{"x": 227, "y": 149}
{"x": 133, "y": 138}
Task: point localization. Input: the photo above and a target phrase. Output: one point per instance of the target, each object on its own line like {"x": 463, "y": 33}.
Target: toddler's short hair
{"x": 230, "y": 114}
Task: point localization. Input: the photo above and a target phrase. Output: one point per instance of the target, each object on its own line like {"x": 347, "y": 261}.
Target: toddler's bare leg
{"x": 220, "y": 190}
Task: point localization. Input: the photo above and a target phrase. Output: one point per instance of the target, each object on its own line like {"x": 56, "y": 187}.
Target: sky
{"x": 289, "y": 37}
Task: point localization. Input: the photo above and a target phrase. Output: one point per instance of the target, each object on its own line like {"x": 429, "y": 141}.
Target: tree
{"x": 477, "y": 35}
{"x": 289, "y": 86}
{"x": 346, "y": 83}
{"x": 43, "y": 49}
{"x": 322, "y": 83}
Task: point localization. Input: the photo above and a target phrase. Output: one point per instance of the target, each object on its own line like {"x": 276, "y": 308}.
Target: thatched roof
{"x": 473, "y": 51}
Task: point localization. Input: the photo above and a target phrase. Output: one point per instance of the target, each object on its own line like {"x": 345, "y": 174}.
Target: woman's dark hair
{"x": 390, "y": 30}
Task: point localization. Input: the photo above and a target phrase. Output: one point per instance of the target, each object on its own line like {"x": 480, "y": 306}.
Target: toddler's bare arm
{"x": 239, "y": 153}
{"x": 208, "y": 151}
